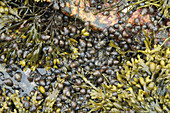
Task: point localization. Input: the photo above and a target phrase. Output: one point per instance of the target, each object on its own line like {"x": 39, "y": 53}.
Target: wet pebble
{"x": 73, "y": 104}
{"x": 18, "y": 76}
{"x": 97, "y": 73}
{"x": 83, "y": 91}
{"x": 66, "y": 91}
{"x": 27, "y": 105}
{"x": 100, "y": 80}
{"x": 42, "y": 82}
{"x": 8, "y": 82}
{"x": 59, "y": 105}
{"x": 82, "y": 43}
{"x": 60, "y": 85}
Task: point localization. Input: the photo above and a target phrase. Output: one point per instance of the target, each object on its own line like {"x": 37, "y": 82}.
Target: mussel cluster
{"x": 53, "y": 62}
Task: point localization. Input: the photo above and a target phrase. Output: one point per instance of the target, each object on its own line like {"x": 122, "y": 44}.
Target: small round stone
{"x": 97, "y": 73}
{"x": 82, "y": 43}
{"x": 116, "y": 26}
{"x": 100, "y": 80}
{"x": 18, "y": 76}
{"x": 78, "y": 82}
{"x": 106, "y": 13}
{"x": 39, "y": 97}
{"x": 72, "y": 65}
{"x": 120, "y": 22}
{"x": 73, "y": 104}
{"x": 8, "y": 82}
{"x": 111, "y": 30}
{"x": 99, "y": 7}
{"x": 30, "y": 78}
{"x": 42, "y": 82}
{"x": 66, "y": 91}
{"x": 26, "y": 104}
{"x": 83, "y": 91}
{"x": 115, "y": 62}
{"x": 61, "y": 43}
{"x": 60, "y": 85}
{"x": 59, "y": 105}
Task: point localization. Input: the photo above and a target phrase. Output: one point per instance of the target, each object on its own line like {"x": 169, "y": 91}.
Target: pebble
{"x": 18, "y": 76}
{"x": 8, "y": 82}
